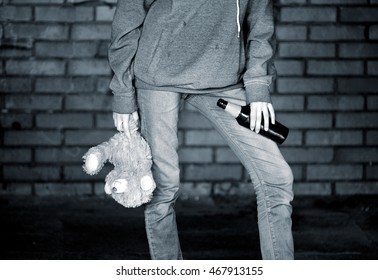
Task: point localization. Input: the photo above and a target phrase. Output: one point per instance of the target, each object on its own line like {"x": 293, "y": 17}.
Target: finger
{"x": 136, "y": 118}
{"x": 272, "y": 113}
{"x": 266, "y": 117}
{"x": 119, "y": 122}
{"x": 125, "y": 125}
{"x": 258, "y": 119}
{"x": 115, "y": 119}
{"x": 252, "y": 117}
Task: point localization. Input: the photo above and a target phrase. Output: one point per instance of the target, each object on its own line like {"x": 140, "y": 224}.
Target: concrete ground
{"x": 338, "y": 228}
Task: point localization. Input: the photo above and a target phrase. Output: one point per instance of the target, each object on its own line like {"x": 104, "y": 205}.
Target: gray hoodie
{"x": 191, "y": 46}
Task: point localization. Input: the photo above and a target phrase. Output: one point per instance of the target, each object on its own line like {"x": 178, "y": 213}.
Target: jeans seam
{"x": 150, "y": 238}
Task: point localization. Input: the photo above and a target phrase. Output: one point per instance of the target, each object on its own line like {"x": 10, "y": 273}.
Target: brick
{"x": 99, "y": 189}
{"x": 32, "y": 138}
{"x": 358, "y": 50}
{"x": 305, "y": 14}
{"x": 213, "y": 172}
{"x": 65, "y": 50}
{"x": 102, "y": 84}
{"x": 17, "y": 189}
{"x": 16, "y": 121}
{"x": 64, "y": 120}
{"x": 87, "y": 137}
{"x": 305, "y": 85}
{"x": 63, "y": 14}
{"x": 372, "y": 137}
{"x": 288, "y": 103}
{"x": 12, "y": 85}
{"x": 65, "y": 85}
{"x": 334, "y": 172}
{"x": 288, "y": 2}
{"x": 15, "y": 53}
{"x": 59, "y": 155}
{"x": 294, "y": 138}
{"x": 342, "y": 2}
{"x": 335, "y": 67}
{"x": 297, "y": 172}
{"x": 89, "y": 67}
{"x": 103, "y": 49}
{"x": 358, "y": 85}
{"x": 307, "y": 155}
{"x": 372, "y": 103}
{"x": 203, "y": 138}
{"x": 15, "y": 13}
{"x": 17, "y": 44}
{"x": 289, "y": 67}
{"x": 193, "y": 120}
{"x": 91, "y": 32}
{"x": 233, "y": 189}
{"x": 195, "y": 155}
{"x": 33, "y": 102}
{"x": 373, "y": 67}
{"x": 334, "y": 138}
{"x": 366, "y": 14}
{"x": 25, "y": 173}
{"x": 336, "y": 33}
{"x": 12, "y": 155}
{"x": 373, "y": 32}
{"x": 306, "y": 50}
{"x": 195, "y": 191}
{"x": 357, "y": 120}
{"x": 104, "y": 120}
{"x": 37, "y": 1}
{"x": 306, "y": 120}
{"x": 225, "y": 155}
{"x": 356, "y": 154}
{"x": 349, "y": 188}
{"x": 312, "y": 188}
{"x": 88, "y": 103}
{"x": 83, "y": 1}
{"x": 339, "y": 103}
{"x": 76, "y": 173}
{"x": 58, "y": 189}
{"x": 372, "y": 172}
{"x": 105, "y": 13}
{"x": 37, "y": 31}
{"x": 291, "y": 33}
{"x": 35, "y": 67}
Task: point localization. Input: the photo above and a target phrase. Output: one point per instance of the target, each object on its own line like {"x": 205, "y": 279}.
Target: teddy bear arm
{"x": 94, "y": 159}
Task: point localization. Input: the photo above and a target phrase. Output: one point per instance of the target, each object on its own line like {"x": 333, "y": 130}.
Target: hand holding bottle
{"x": 254, "y": 115}
{"x": 260, "y": 113}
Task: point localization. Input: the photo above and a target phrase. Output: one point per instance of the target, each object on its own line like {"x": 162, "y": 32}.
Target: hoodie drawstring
{"x": 238, "y": 16}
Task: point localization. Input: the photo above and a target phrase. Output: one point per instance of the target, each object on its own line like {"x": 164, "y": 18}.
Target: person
{"x": 165, "y": 52}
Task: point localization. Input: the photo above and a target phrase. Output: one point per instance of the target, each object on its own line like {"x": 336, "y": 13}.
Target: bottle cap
{"x": 222, "y": 103}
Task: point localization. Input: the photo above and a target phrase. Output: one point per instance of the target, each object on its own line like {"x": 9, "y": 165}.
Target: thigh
{"x": 158, "y": 112}
{"x": 260, "y": 155}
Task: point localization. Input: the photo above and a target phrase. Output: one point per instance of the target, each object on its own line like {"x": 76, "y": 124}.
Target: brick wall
{"x": 54, "y": 80}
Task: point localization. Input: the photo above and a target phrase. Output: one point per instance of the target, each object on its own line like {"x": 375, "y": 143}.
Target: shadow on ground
{"x": 324, "y": 228}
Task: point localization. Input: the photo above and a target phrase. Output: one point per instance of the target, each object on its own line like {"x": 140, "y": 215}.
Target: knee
{"x": 281, "y": 176}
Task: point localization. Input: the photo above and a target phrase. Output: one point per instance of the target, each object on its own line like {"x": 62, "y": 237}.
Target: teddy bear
{"x": 131, "y": 182}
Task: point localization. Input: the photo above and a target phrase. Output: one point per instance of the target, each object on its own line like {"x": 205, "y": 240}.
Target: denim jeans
{"x": 270, "y": 175}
